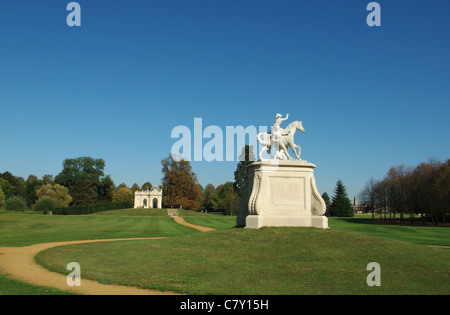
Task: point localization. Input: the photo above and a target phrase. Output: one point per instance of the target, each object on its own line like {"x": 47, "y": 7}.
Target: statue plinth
{"x": 281, "y": 193}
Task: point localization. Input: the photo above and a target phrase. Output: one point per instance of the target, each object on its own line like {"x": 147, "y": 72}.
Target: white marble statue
{"x": 281, "y": 139}
{"x": 281, "y": 191}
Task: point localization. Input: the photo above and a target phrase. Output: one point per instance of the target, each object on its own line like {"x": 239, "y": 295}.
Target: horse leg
{"x": 264, "y": 149}
{"x": 293, "y": 146}
{"x": 293, "y": 149}
{"x": 285, "y": 150}
{"x": 299, "y": 150}
{"x": 276, "y": 144}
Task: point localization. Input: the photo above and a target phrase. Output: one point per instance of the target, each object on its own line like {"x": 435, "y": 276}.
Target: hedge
{"x": 79, "y": 210}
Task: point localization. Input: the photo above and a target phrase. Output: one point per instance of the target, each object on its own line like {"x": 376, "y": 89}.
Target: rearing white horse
{"x": 287, "y": 140}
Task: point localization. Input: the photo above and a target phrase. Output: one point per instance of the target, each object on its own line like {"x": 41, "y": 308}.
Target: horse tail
{"x": 262, "y": 141}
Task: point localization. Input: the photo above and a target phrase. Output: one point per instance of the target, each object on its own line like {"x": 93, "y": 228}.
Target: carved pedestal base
{"x": 282, "y": 193}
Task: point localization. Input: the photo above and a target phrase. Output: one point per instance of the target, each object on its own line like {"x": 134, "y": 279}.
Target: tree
{"x": 382, "y": 197}
{"x": 82, "y": 193}
{"x": 135, "y": 187}
{"x": 368, "y": 195}
{"x": 430, "y": 189}
{"x": 341, "y": 205}
{"x": 327, "y": 200}
{"x": 86, "y": 169}
{"x": 7, "y": 188}
{"x": 423, "y": 190}
{"x": 123, "y": 185}
{"x": 180, "y": 184}
{"x": 241, "y": 174}
{"x": 123, "y": 194}
{"x": 442, "y": 187}
{"x": 20, "y": 187}
{"x": 16, "y": 203}
{"x": 31, "y": 186}
{"x": 227, "y": 198}
{"x": 231, "y": 201}
{"x": 2, "y": 198}
{"x": 396, "y": 186}
{"x": 210, "y": 199}
{"x": 147, "y": 186}
{"x": 46, "y": 204}
{"x": 18, "y": 183}
{"x": 106, "y": 189}
{"x": 48, "y": 179}
{"x": 58, "y": 193}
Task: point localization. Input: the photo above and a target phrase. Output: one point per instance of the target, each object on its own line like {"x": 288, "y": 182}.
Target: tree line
{"x": 422, "y": 192}
{"x": 81, "y": 182}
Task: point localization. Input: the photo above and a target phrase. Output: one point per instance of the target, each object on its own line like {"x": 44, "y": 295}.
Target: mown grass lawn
{"x": 26, "y": 229}
{"x": 232, "y": 260}
{"x": 266, "y": 261}
{"x": 428, "y": 235}
{"x": 14, "y": 287}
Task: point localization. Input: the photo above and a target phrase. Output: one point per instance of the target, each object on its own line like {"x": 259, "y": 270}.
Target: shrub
{"x": 16, "y": 203}
{"x": 45, "y": 204}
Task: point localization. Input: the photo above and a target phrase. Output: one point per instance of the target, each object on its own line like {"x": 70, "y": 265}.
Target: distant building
{"x": 148, "y": 199}
{"x": 357, "y": 208}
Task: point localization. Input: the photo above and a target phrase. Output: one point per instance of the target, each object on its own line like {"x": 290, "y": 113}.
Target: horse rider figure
{"x": 277, "y": 132}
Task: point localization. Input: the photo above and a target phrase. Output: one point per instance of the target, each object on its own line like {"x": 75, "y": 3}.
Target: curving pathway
{"x": 200, "y": 228}
{"x": 19, "y": 263}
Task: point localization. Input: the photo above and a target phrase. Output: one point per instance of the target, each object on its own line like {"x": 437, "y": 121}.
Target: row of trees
{"x": 222, "y": 198}
{"x": 81, "y": 182}
{"x": 422, "y": 191}
{"x": 19, "y": 194}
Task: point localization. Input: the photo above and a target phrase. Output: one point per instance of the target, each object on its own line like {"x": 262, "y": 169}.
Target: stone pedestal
{"x": 281, "y": 193}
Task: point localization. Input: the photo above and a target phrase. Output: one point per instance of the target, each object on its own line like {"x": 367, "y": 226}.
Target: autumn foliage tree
{"x": 123, "y": 194}
{"x": 180, "y": 185}
{"x": 58, "y": 193}
{"x": 423, "y": 190}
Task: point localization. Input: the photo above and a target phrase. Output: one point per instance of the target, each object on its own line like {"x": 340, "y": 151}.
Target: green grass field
{"x": 428, "y": 235}
{"x": 236, "y": 261}
{"x": 28, "y": 229}
{"x": 14, "y": 287}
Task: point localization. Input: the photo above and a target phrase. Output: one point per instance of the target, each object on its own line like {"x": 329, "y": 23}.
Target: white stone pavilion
{"x": 148, "y": 199}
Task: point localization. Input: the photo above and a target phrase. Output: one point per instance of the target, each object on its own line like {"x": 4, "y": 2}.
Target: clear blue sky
{"x": 114, "y": 88}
